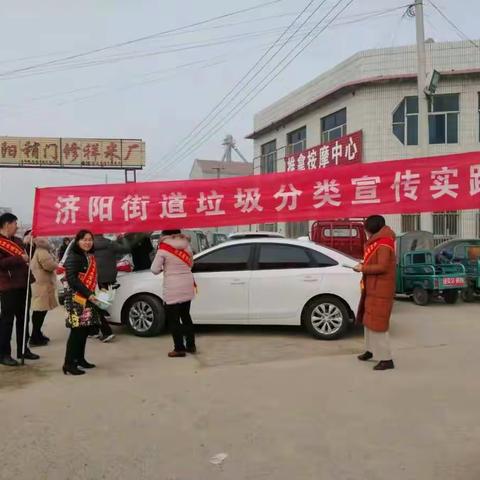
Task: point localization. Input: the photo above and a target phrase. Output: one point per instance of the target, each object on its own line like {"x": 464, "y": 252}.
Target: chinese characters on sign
{"x": 71, "y": 152}
{"x": 343, "y": 151}
{"x": 450, "y": 182}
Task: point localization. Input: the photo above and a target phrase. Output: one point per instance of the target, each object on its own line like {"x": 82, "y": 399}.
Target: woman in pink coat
{"x": 175, "y": 259}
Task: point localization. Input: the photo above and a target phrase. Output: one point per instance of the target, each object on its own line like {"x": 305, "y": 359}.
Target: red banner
{"x": 450, "y": 182}
{"x": 342, "y": 151}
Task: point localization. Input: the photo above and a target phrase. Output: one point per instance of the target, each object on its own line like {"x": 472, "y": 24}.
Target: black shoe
{"x": 384, "y": 365}
{"x": 38, "y": 342}
{"x": 45, "y": 338}
{"x": 177, "y": 354}
{"x": 85, "y": 364}
{"x": 9, "y": 361}
{"x": 191, "y": 350}
{"x": 72, "y": 370}
{"x": 28, "y": 355}
{"x": 365, "y": 356}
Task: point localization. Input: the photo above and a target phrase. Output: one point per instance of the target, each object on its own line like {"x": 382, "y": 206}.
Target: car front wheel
{"x": 326, "y": 318}
{"x": 144, "y": 315}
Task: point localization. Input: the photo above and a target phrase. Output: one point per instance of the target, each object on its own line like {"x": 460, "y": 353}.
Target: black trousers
{"x": 38, "y": 317}
{"x": 181, "y": 325}
{"x": 105, "y": 327}
{"x": 12, "y": 310}
{"x": 76, "y": 343}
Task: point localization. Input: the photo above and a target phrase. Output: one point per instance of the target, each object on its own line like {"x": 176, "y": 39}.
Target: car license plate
{"x": 454, "y": 282}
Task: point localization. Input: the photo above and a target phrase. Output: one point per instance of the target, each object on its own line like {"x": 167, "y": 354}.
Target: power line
{"x": 61, "y": 66}
{"x": 460, "y": 32}
{"x": 212, "y": 62}
{"x": 206, "y": 119}
{"x": 246, "y": 100}
{"x": 129, "y": 56}
{"x": 140, "y": 39}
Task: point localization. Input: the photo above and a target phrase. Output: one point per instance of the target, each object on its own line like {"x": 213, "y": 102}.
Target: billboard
{"x": 342, "y": 151}
{"x": 72, "y": 152}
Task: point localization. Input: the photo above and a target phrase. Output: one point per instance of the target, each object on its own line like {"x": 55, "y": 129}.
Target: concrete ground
{"x": 280, "y": 404}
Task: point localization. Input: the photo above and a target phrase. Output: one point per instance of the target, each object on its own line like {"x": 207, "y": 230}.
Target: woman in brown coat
{"x": 378, "y": 291}
{"x": 44, "y": 289}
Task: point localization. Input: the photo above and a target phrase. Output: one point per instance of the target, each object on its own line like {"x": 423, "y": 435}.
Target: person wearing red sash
{"x": 378, "y": 291}
{"x": 82, "y": 313}
{"x": 13, "y": 291}
{"x": 175, "y": 259}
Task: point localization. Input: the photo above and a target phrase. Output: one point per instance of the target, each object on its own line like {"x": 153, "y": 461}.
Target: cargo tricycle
{"x": 418, "y": 274}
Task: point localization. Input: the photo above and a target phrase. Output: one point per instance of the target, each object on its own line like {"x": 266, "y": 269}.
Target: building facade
{"x": 375, "y": 92}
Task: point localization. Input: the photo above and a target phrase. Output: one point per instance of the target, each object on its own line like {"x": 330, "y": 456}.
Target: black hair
{"x": 374, "y": 224}
{"x": 166, "y": 233}
{"x": 7, "y": 218}
{"x": 28, "y": 232}
{"x": 79, "y": 236}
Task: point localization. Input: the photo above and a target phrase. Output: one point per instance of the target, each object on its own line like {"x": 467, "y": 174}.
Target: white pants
{"x": 379, "y": 344}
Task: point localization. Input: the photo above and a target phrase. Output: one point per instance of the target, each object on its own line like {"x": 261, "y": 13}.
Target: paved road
{"x": 281, "y": 405}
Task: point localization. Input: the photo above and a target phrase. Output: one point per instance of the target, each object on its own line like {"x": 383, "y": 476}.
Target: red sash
{"x": 183, "y": 255}
{"x": 11, "y": 248}
{"x": 373, "y": 247}
{"x": 369, "y": 251}
{"x": 89, "y": 279}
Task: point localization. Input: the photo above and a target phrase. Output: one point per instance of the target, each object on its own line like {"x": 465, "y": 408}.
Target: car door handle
{"x": 310, "y": 279}
{"x": 237, "y": 282}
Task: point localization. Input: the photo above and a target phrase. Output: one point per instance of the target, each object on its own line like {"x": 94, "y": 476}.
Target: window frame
{"x": 445, "y": 113}
{"x": 268, "y": 227}
{"x": 249, "y": 264}
{"x": 446, "y": 217}
{"x": 292, "y": 227}
{"x": 407, "y": 118}
{"x": 312, "y": 264}
{"x": 291, "y": 148}
{"x": 410, "y": 217}
{"x": 326, "y": 134}
{"x": 267, "y": 157}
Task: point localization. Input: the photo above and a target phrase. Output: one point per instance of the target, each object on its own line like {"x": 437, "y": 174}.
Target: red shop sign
{"x": 342, "y": 151}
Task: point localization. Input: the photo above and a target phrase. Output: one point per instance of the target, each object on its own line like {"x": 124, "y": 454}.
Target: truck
{"x": 345, "y": 235}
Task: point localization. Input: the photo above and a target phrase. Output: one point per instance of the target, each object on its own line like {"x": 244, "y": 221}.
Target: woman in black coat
{"x": 82, "y": 313}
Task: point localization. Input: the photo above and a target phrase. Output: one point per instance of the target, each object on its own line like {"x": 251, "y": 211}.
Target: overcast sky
{"x": 140, "y": 91}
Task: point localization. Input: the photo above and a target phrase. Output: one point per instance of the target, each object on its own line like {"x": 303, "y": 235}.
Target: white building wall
{"x": 370, "y": 109}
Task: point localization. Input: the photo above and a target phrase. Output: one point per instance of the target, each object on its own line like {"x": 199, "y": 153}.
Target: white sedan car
{"x": 257, "y": 281}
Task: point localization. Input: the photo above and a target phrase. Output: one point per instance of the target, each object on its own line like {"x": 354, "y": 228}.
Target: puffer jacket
{"x": 106, "y": 252}
{"x": 77, "y": 262}
{"x": 379, "y": 280}
{"x": 13, "y": 269}
{"x": 44, "y": 264}
{"x": 178, "y": 281}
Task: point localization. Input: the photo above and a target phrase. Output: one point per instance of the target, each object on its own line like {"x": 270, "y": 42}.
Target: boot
{"x": 384, "y": 365}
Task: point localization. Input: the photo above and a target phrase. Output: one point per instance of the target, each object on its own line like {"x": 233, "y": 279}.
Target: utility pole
{"x": 426, "y": 219}
{"x": 421, "y": 79}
